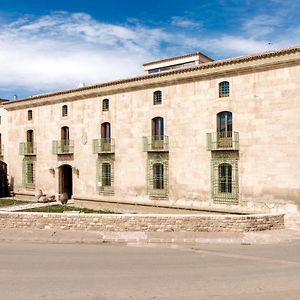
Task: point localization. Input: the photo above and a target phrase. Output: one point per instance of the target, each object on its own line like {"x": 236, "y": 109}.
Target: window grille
{"x": 157, "y": 97}
{"x": 224, "y": 89}
{"x": 28, "y": 173}
{"x": 105, "y": 105}
{"x": 157, "y": 175}
{"x": 224, "y": 179}
{"x": 105, "y": 175}
{"x": 29, "y": 115}
{"x": 65, "y": 110}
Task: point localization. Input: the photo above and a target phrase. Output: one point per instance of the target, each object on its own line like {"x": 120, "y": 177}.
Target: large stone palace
{"x": 190, "y": 132}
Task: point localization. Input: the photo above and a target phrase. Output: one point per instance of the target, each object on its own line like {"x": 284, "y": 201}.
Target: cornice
{"x": 238, "y": 65}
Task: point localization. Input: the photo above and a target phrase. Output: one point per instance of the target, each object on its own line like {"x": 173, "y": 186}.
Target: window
{"x": 29, "y": 115}
{"x": 158, "y": 127}
{"x": 225, "y": 178}
{"x": 105, "y": 105}
{"x": 28, "y": 172}
{"x": 224, "y": 89}
{"x": 30, "y": 141}
{"x": 157, "y": 97}
{"x": 224, "y": 129}
{"x": 224, "y": 121}
{"x": 65, "y": 145}
{"x": 65, "y": 110}
{"x": 106, "y": 174}
{"x": 105, "y": 131}
{"x": 158, "y": 176}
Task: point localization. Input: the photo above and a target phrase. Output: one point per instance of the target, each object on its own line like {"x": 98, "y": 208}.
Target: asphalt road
{"x": 79, "y": 271}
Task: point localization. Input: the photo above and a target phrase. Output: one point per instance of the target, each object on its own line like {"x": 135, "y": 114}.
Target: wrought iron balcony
{"x": 227, "y": 140}
{"x": 63, "y": 147}
{"x": 104, "y": 145}
{"x": 27, "y": 148}
{"x": 156, "y": 143}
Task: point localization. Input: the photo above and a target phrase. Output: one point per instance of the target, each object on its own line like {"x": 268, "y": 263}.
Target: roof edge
{"x": 202, "y": 66}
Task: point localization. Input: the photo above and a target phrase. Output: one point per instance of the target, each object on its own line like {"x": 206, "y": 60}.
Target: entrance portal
{"x": 66, "y": 180}
{"x": 4, "y": 190}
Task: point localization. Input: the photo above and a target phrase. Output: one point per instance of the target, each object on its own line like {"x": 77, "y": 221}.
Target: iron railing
{"x": 27, "y": 148}
{"x": 103, "y": 145}
{"x": 63, "y": 147}
{"x": 156, "y": 143}
{"x": 227, "y": 140}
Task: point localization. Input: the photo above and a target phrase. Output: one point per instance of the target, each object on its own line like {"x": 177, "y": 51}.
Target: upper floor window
{"x": 105, "y": 105}
{"x": 224, "y": 89}
{"x": 158, "y": 128}
{"x": 157, "y": 97}
{"x": 65, "y": 133}
{"x": 64, "y": 110}
{"x": 29, "y": 115}
{"x": 105, "y": 130}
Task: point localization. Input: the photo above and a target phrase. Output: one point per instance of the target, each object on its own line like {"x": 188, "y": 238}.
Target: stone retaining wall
{"x": 145, "y": 222}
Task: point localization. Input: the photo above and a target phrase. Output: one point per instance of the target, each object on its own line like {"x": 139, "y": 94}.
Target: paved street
{"x": 105, "y": 271}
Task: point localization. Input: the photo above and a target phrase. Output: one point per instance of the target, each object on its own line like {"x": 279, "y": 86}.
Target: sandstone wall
{"x": 142, "y": 223}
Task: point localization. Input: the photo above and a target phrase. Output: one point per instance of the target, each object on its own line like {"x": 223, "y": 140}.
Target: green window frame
{"x": 28, "y": 172}
{"x": 157, "y": 175}
{"x": 105, "y": 175}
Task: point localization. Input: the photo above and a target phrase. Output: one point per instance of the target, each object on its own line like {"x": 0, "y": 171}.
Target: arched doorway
{"x": 4, "y": 189}
{"x": 66, "y": 180}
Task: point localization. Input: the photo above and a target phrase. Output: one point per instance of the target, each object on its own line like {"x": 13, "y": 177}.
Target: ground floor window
{"x": 157, "y": 175}
{"x": 28, "y": 172}
{"x": 224, "y": 177}
{"x": 105, "y": 174}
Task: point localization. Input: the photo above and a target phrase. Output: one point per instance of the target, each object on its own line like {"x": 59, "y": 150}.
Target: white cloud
{"x": 185, "y": 23}
{"x": 262, "y": 25}
{"x": 61, "y": 50}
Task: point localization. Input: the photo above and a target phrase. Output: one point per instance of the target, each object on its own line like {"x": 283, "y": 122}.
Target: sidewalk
{"x": 176, "y": 238}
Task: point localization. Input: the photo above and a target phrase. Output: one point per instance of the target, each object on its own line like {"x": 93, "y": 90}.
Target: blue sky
{"x": 53, "y": 45}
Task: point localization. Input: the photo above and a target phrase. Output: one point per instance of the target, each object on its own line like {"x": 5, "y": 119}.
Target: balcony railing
{"x": 27, "y": 148}
{"x": 227, "y": 140}
{"x": 63, "y": 147}
{"x": 156, "y": 143}
{"x": 104, "y": 145}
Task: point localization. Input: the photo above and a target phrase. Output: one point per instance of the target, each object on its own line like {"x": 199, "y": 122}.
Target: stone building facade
{"x": 191, "y": 132}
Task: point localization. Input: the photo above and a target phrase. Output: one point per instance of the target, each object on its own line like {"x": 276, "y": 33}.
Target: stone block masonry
{"x": 142, "y": 223}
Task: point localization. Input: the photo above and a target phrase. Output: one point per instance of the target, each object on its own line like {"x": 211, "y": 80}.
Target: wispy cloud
{"x": 61, "y": 50}
{"x": 185, "y": 23}
{"x": 262, "y": 25}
